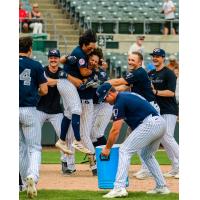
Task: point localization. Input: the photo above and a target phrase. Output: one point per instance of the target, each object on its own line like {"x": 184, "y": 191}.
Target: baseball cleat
{"x": 144, "y": 175}
{"x": 69, "y": 172}
{"x": 94, "y": 172}
{"x": 31, "y": 189}
{"x": 119, "y": 192}
{"x": 63, "y": 147}
{"x": 176, "y": 176}
{"x": 80, "y": 147}
{"x": 162, "y": 190}
{"x": 171, "y": 173}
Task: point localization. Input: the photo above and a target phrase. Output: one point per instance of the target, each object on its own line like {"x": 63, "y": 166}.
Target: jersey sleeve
{"x": 130, "y": 78}
{"x": 118, "y": 112}
{"x": 171, "y": 81}
{"x": 41, "y": 74}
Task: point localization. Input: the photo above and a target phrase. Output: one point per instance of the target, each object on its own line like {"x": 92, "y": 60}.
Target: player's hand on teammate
{"x": 105, "y": 151}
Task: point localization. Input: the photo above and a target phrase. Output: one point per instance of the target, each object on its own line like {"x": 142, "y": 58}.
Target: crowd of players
{"x": 82, "y": 122}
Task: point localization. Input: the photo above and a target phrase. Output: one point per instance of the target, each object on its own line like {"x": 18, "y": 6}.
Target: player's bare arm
{"x": 52, "y": 82}
{"x": 117, "y": 81}
{"x": 43, "y": 89}
{"x": 85, "y": 71}
{"x": 63, "y": 59}
{"x": 76, "y": 81}
{"x": 122, "y": 88}
{"x": 163, "y": 93}
{"x": 113, "y": 135}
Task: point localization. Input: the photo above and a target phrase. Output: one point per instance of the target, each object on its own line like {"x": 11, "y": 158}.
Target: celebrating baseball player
{"x": 164, "y": 83}
{"x": 137, "y": 80}
{"x": 148, "y": 129}
{"x": 32, "y": 83}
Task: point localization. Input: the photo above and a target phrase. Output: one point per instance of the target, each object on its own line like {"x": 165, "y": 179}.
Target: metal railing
{"x": 146, "y": 24}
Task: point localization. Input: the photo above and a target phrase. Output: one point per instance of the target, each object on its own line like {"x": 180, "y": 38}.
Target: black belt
{"x": 85, "y": 101}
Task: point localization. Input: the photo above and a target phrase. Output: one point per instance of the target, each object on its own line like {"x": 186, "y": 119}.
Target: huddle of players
{"x": 76, "y": 84}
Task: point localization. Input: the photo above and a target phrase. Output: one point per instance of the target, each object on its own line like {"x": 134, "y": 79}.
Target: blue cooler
{"x": 107, "y": 167}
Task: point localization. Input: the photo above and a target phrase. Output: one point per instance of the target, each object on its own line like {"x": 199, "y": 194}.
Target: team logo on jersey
{"x": 115, "y": 112}
{"x": 103, "y": 74}
{"x": 81, "y": 61}
{"x": 129, "y": 75}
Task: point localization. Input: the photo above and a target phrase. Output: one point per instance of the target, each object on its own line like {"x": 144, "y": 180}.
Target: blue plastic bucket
{"x": 107, "y": 167}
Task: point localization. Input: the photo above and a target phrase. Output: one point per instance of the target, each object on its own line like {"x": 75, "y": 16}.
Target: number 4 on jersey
{"x": 25, "y": 76}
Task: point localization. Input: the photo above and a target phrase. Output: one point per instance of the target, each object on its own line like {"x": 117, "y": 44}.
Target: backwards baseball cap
{"x": 102, "y": 91}
{"x": 54, "y": 52}
{"x": 158, "y": 52}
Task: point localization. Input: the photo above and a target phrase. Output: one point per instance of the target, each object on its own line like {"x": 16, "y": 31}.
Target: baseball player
{"x": 102, "y": 111}
{"x": 80, "y": 70}
{"x": 164, "y": 83}
{"x": 49, "y": 107}
{"x": 31, "y": 82}
{"x": 138, "y": 81}
{"x": 72, "y": 111}
{"x": 148, "y": 129}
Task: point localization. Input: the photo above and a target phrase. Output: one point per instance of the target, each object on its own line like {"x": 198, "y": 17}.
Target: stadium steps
{"x": 64, "y": 28}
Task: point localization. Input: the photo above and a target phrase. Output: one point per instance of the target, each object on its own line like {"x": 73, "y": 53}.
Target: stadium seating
{"x": 118, "y": 16}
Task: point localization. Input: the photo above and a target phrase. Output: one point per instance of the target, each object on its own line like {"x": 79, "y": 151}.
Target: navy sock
{"x": 64, "y": 128}
{"x": 76, "y": 126}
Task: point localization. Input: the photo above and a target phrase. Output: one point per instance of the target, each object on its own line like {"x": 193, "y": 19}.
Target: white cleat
{"x": 162, "y": 190}
{"x": 144, "y": 175}
{"x": 171, "y": 173}
{"x": 31, "y": 189}
{"x": 63, "y": 147}
{"x": 176, "y": 176}
{"x": 80, "y": 147}
{"x": 119, "y": 192}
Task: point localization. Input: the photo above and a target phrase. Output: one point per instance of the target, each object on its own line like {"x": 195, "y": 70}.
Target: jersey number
{"x": 25, "y": 76}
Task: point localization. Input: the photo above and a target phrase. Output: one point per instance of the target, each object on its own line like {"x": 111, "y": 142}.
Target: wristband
{"x": 156, "y": 92}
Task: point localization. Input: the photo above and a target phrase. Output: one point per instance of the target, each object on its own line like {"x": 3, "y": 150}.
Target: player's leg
{"x": 67, "y": 161}
{"x": 144, "y": 173}
{"x": 86, "y": 126}
{"x": 170, "y": 145}
{"x": 23, "y": 155}
{"x": 102, "y": 115}
{"x": 32, "y": 134}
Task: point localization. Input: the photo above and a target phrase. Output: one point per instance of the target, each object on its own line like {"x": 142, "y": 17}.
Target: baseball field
{"x": 83, "y": 186}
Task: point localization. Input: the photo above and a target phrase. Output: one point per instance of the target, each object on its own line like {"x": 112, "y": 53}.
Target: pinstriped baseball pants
{"x": 55, "y": 120}
{"x": 70, "y": 98}
{"x": 101, "y": 118}
{"x": 145, "y": 138}
{"x": 168, "y": 141}
{"x": 29, "y": 143}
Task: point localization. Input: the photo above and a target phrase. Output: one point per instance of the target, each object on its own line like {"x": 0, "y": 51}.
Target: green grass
{"x": 88, "y": 195}
{"x": 53, "y": 157}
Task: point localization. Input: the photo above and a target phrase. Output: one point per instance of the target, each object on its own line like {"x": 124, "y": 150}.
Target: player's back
{"x": 31, "y": 75}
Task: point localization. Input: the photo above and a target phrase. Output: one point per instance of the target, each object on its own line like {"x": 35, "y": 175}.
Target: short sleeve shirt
{"x": 31, "y": 75}
{"x": 165, "y": 79}
{"x": 50, "y": 103}
{"x": 133, "y": 108}
{"x": 140, "y": 83}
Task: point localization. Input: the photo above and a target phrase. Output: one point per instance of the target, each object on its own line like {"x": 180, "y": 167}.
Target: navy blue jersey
{"x": 82, "y": 61}
{"x": 74, "y": 70}
{"x": 133, "y": 108}
{"x": 31, "y": 75}
{"x": 50, "y": 103}
{"x": 165, "y": 79}
{"x": 102, "y": 77}
{"x": 140, "y": 83}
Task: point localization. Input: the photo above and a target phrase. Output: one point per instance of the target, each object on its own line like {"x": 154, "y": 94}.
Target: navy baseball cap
{"x": 54, "y": 52}
{"x": 158, "y": 52}
{"x": 102, "y": 91}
